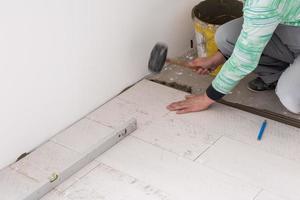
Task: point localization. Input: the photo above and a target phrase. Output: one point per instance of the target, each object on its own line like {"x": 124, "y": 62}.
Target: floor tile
{"x": 48, "y": 159}
{"x": 279, "y": 139}
{"x": 83, "y": 135}
{"x": 180, "y": 134}
{"x": 118, "y": 111}
{"x": 156, "y": 161}
{"x": 152, "y": 97}
{"x": 269, "y": 196}
{"x": 274, "y": 173}
{"x": 56, "y": 195}
{"x": 177, "y": 176}
{"x": 105, "y": 182}
{"x": 77, "y": 176}
{"x": 15, "y": 186}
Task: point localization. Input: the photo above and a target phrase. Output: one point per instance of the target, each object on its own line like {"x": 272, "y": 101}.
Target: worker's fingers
{"x": 193, "y": 67}
{"x": 190, "y": 109}
{"x": 198, "y": 71}
{"x": 176, "y": 108}
{"x": 177, "y": 105}
{"x": 203, "y": 71}
{"x": 206, "y": 72}
{"x": 172, "y": 106}
{"x": 181, "y": 103}
{"x": 186, "y": 110}
{"x": 195, "y": 64}
{"x": 192, "y": 63}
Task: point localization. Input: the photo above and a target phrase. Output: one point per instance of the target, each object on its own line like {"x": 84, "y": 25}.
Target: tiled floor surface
{"x": 210, "y": 155}
{"x": 266, "y": 100}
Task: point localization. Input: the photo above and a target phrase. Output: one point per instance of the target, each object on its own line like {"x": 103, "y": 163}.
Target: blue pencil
{"x": 262, "y": 130}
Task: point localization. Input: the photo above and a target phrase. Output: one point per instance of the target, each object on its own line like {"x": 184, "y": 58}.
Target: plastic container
{"x": 208, "y": 16}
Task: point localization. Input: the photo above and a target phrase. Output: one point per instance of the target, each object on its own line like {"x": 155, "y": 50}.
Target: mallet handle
{"x": 182, "y": 63}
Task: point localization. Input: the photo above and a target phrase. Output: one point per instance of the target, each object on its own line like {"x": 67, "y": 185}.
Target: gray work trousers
{"x": 279, "y": 53}
{"x": 280, "y": 59}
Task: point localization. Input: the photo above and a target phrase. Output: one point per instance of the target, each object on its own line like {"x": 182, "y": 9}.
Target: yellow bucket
{"x": 207, "y": 17}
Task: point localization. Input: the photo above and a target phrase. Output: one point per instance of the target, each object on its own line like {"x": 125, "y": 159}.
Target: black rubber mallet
{"x": 158, "y": 58}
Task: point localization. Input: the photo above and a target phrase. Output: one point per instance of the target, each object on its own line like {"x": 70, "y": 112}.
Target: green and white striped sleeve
{"x": 260, "y": 21}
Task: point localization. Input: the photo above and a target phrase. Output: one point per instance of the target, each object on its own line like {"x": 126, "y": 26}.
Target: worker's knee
{"x": 227, "y": 35}
{"x": 288, "y": 87}
{"x": 221, "y": 37}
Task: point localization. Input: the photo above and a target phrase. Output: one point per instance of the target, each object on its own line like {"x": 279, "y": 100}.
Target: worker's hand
{"x": 202, "y": 66}
{"x": 192, "y": 103}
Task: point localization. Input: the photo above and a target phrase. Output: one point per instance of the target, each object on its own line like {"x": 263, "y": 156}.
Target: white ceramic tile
{"x": 117, "y": 111}
{"x": 83, "y": 135}
{"x": 180, "y": 177}
{"x": 56, "y": 195}
{"x": 152, "y": 97}
{"x": 279, "y": 139}
{"x": 276, "y": 174}
{"x": 269, "y": 196}
{"x": 43, "y": 162}
{"x": 105, "y": 182}
{"x": 87, "y": 169}
{"x": 234, "y": 168}
{"x": 66, "y": 184}
{"x": 77, "y": 176}
{"x": 180, "y": 134}
{"x": 14, "y": 186}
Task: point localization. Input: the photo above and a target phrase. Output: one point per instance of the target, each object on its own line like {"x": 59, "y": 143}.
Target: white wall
{"x": 60, "y": 59}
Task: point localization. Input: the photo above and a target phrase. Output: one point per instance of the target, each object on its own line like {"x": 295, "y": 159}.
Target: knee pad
{"x": 288, "y": 87}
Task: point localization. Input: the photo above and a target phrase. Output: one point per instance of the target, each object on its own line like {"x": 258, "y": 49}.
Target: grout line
{"x": 24, "y": 174}
{"x": 162, "y": 148}
{"x": 208, "y": 148}
{"x": 258, "y": 193}
{"x": 65, "y": 146}
{"x": 208, "y": 167}
{"x": 64, "y": 190}
{"x": 93, "y": 120}
{"x": 77, "y": 179}
{"x": 136, "y": 179}
{"x": 89, "y": 171}
{"x": 203, "y": 152}
{"x": 250, "y": 183}
{"x": 260, "y": 148}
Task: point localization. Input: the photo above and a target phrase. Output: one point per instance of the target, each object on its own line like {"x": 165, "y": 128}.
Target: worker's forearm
{"x": 218, "y": 59}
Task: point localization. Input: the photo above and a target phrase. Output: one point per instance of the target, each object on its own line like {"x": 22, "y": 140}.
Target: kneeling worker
{"x": 267, "y": 41}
